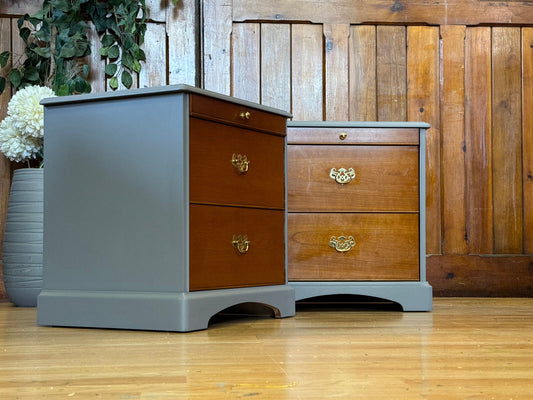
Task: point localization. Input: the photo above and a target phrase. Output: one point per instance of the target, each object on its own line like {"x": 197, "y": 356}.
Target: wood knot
{"x": 397, "y": 6}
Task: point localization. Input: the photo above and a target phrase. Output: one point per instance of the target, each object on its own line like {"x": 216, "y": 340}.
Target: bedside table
{"x": 163, "y": 206}
{"x": 356, "y": 211}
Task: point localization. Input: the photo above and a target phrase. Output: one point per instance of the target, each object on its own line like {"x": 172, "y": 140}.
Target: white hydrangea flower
{"x": 14, "y": 145}
{"x": 26, "y": 111}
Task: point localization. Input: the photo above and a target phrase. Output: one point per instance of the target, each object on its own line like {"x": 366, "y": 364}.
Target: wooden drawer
{"x": 213, "y": 179}
{"x": 236, "y": 114}
{"x": 216, "y": 264}
{"x": 386, "y": 178}
{"x": 350, "y": 135}
{"x": 386, "y": 247}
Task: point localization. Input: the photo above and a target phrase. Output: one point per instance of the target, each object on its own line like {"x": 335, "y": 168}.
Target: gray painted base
{"x": 412, "y": 296}
{"x": 181, "y": 312}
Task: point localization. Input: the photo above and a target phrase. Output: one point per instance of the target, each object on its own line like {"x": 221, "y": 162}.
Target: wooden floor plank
{"x": 475, "y": 348}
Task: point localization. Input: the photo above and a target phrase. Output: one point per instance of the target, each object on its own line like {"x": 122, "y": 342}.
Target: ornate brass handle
{"x": 241, "y": 243}
{"x": 342, "y": 244}
{"x": 343, "y": 175}
{"x": 245, "y": 115}
{"x": 343, "y": 135}
{"x": 240, "y": 162}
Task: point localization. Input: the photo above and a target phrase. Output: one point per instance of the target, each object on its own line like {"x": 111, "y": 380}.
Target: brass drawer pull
{"x": 343, "y": 135}
{"x": 342, "y": 244}
{"x": 245, "y": 116}
{"x": 240, "y": 162}
{"x": 241, "y": 243}
{"x": 343, "y": 175}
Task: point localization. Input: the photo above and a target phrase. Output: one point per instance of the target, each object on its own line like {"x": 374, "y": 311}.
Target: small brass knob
{"x": 343, "y": 135}
{"x": 245, "y": 115}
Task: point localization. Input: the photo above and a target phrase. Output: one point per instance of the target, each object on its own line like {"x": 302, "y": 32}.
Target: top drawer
{"x": 352, "y": 135}
{"x": 235, "y": 166}
{"x": 236, "y": 114}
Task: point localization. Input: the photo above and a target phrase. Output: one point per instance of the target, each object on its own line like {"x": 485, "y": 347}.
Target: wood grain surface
{"x": 464, "y": 349}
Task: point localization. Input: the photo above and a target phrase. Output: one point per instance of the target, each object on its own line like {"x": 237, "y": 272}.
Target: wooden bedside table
{"x": 356, "y": 211}
{"x": 163, "y": 206}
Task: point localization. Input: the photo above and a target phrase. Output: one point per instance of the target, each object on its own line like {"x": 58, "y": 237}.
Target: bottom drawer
{"x": 214, "y": 261}
{"x": 375, "y": 247}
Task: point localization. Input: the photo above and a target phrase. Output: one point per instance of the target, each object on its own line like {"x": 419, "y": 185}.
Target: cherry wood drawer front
{"x": 216, "y": 264}
{"x": 236, "y": 114}
{"x": 214, "y": 179}
{"x": 334, "y": 135}
{"x": 385, "y": 247}
{"x": 386, "y": 178}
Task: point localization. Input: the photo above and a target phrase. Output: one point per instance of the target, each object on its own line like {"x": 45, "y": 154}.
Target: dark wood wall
{"x": 464, "y": 66}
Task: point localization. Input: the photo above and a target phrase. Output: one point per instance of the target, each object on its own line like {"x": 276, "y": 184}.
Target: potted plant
{"x": 21, "y": 140}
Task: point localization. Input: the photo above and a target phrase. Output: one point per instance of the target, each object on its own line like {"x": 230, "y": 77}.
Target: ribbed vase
{"x": 23, "y": 238}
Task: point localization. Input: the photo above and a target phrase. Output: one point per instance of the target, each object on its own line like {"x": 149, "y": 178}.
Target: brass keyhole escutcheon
{"x": 342, "y": 244}
{"x": 240, "y": 162}
{"x": 241, "y": 243}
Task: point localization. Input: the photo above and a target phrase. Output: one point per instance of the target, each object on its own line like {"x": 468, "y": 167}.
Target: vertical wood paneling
{"x": 527, "y": 132}
{"x": 276, "y": 66}
{"x": 5, "y": 45}
{"x": 182, "y": 32}
{"x": 391, "y": 73}
{"x": 5, "y": 168}
{"x": 216, "y": 45}
{"x": 507, "y": 139}
{"x": 307, "y": 72}
{"x": 336, "y": 53}
{"x": 423, "y": 104}
{"x": 478, "y": 138}
{"x": 97, "y": 77}
{"x": 453, "y": 140}
{"x": 246, "y": 78}
{"x": 362, "y": 78}
{"x": 154, "y": 73}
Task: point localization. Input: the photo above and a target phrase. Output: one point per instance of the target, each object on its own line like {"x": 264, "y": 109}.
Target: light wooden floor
{"x": 464, "y": 349}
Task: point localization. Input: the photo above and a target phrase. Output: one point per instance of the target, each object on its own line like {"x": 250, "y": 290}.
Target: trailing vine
{"x": 57, "y": 46}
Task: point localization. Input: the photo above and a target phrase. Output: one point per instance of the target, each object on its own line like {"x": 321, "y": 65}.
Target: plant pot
{"x": 23, "y": 238}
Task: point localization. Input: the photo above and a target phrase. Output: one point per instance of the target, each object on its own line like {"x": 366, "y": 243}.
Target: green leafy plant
{"x": 57, "y": 46}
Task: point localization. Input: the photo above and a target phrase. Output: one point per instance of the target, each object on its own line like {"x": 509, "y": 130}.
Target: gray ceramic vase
{"x": 23, "y": 238}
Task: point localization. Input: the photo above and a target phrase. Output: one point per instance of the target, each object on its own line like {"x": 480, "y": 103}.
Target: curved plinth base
{"x": 181, "y": 312}
{"x": 412, "y": 296}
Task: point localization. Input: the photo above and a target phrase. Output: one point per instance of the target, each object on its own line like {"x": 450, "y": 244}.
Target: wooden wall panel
{"x": 453, "y": 140}
{"x": 245, "y": 62}
{"x": 307, "y": 72}
{"x": 480, "y": 275}
{"x": 527, "y": 135}
{"x": 507, "y": 140}
{"x": 391, "y": 73}
{"x": 362, "y": 78}
{"x": 478, "y": 139}
{"x": 183, "y": 39}
{"x": 5, "y": 170}
{"x": 337, "y": 72}
{"x": 276, "y": 66}
{"x": 155, "y": 72}
{"x": 423, "y": 104}
{"x": 216, "y": 43}
{"x": 449, "y": 12}
{"x": 378, "y": 60}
